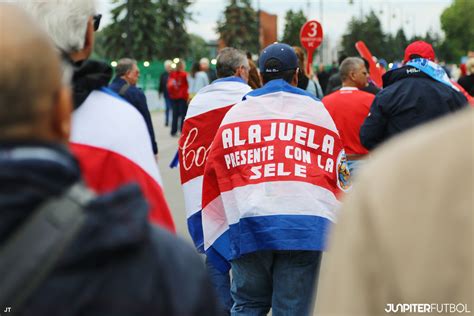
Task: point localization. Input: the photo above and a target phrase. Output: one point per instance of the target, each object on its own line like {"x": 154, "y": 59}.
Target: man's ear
{"x": 62, "y": 115}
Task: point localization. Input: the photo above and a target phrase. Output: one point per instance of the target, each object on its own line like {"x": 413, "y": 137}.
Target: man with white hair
{"x": 109, "y": 136}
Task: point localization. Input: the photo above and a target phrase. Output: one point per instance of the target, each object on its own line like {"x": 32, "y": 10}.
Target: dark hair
{"x": 366, "y": 63}
{"x": 195, "y": 68}
{"x": 286, "y": 75}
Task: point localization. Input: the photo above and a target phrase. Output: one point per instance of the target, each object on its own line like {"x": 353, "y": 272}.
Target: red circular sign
{"x": 311, "y": 35}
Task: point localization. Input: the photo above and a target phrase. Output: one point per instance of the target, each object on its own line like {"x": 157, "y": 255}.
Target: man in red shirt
{"x": 178, "y": 90}
{"x": 349, "y": 107}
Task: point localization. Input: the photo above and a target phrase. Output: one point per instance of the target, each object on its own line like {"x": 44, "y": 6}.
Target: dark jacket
{"x": 467, "y": 82}
{"x": 137, "y": 98}
{"x": 409, "y": 98}
{"x": 88, "y": 76}
{"x": 118, "y": 264}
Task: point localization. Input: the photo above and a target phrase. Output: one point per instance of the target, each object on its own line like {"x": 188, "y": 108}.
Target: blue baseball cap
{"x": 283, "y": 53}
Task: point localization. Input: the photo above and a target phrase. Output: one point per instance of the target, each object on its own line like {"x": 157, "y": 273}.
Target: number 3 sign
{"x": 311, "y": 36}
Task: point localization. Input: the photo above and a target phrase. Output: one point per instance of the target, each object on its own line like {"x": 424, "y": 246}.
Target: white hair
{"x": 204, "y": 61}
{"x": 167, "y": 63}
{"x": 64, "y": 20}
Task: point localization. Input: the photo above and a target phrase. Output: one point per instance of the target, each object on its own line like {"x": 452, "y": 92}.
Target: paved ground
{"x": 167, "y": 147}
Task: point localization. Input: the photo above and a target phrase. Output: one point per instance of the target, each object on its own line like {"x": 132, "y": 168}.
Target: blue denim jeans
{"x": 221, "y": 283}
{"x": 285, "y": 281}
{"x": 168, "y": 109}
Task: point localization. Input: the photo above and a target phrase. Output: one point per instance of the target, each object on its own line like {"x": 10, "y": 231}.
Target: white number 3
{"x": 314, "y": 29}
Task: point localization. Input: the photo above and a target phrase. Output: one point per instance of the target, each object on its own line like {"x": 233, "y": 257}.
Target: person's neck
{"x": 349, "y": 84}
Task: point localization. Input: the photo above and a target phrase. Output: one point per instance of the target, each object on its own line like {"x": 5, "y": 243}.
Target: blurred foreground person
{"x": 205, "y": 114}
{"x": 349, "y": 107}
{"x": 413, "y": 94}
{"x": 109, "y": 135}
{"x": 270, "y": 190}
{"x": 64, "y": 250}
{"x": 406, "y": 238}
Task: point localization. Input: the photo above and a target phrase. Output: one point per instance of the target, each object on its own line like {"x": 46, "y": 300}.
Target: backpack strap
{"x": 123, "y": 90}
{"x": 33, "y": 250}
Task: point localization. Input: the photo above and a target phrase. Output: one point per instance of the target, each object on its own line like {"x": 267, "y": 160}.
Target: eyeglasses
{"x": 96, "y": 19}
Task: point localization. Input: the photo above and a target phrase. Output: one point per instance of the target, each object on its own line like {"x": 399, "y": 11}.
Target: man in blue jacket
{"x": 125, "y": 84}
{"x": 413, "y": 94}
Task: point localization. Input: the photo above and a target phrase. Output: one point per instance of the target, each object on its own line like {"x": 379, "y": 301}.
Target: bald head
{"x": 30, "y": 81}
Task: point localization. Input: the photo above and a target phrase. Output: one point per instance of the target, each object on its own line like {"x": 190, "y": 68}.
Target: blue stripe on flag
{"x": 195, "y": 230}
{"x": 278, "y": 232}
{"x": 175, "y": 162}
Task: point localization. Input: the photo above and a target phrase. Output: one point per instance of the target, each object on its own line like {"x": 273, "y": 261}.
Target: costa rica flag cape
{"x": 110, "y": 139}
{"x": 205, "y": 113}
{"x": 274, "y": 176}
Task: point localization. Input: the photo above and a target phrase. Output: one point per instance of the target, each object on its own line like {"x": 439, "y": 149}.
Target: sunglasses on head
{"x": 96, "y": 19}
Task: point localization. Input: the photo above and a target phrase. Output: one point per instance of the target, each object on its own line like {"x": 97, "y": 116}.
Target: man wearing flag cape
{"x": 414, "y": 94}
{"x": 109, "y": 136}
{"x": 271, "y": 186}
{"x": 205, "y": 113}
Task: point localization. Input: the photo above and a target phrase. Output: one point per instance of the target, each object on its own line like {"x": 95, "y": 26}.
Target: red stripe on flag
{"x": 197, "y": 136}
{"x": 105, "y": 171}
{"x": 304, "y": 157}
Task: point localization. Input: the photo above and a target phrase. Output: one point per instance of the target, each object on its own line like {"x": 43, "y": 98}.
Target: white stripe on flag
{"x": 103, "y": 115}
{"x": 217, "y": 95}
{"x": 279, "y": 198}
{"x": 193, "y": 196}
{"x": 214, "y": 223}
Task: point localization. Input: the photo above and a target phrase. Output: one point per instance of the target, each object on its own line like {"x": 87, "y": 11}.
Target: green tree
{"x": 293, "y": 23}
{"x": 174, "y": 39}
{"x": 368, "y": 30}
{"x": 457, "y": 23}
{"x": 198, "y": 47}
{"x": 239, "y": 26}
{"x": 396, "y": 45}
{"x": 147, "y": 29}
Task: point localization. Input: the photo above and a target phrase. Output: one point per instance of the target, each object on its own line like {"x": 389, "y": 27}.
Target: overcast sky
{"x": 415, "y": 16}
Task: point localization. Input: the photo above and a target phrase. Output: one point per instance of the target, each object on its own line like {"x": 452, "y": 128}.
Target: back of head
{"x": 30, "y": 82}
{"x": 229, "y": 60}
{"x": 64, "y": 20}
{"x": 278, "y": 61}
{"x": 350, "y": 64}
{"x": 124, "y": 65}
{"x": 419, "y": 49}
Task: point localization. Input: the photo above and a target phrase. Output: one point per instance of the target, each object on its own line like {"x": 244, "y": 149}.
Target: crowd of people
{"x": 270, "y": 158}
